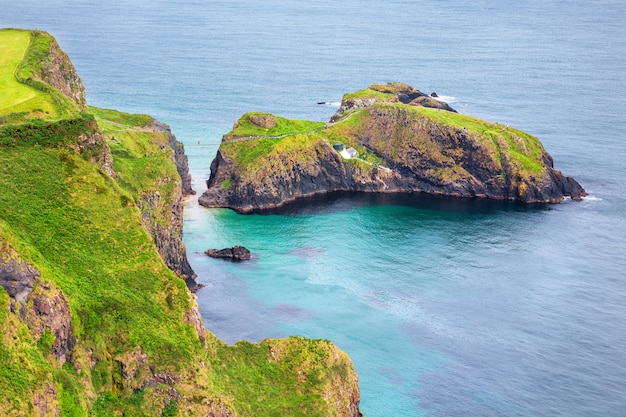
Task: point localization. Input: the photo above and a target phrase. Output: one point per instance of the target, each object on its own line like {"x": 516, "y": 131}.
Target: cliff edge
{"x": 387, "y": 138}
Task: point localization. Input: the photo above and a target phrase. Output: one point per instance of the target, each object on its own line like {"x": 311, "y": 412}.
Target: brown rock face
{"x": 42, "y": 307}
{"x": 180, "y": 158}
{"x": 168, "y": 237}
{"x": 59, "y": 72}
{"x": 267, "y": 121}
{"x": 193, "y": 317}
{"x": 45, "y": 401}
{"x": 51, "y": 310}
{"x": 95, "y": 148}
{"x": 17, "y": 277}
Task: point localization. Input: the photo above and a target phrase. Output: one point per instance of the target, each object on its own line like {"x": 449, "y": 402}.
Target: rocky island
{"x": 387, "y": 138}
{"x": 95, "y": 314}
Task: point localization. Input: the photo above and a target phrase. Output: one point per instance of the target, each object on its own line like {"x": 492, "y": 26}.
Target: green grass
{"x": 369, "y": 93}
{"x": 250, "y": 155}
{"x": 83, "y": 232}
{"x": 260, "y": 375}
{"x": 46, "y": 132}
{"x": 17, "y": 97}
{"x": 104, "y": 261}
{"x": 126, "y": 120}
{"x": 138, "y": 157}
{"x": 244, "y": 128}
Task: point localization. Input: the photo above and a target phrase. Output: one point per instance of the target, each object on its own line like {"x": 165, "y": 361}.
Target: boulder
{"x": 267, "y": 121}
{"x": 236, "y": 253}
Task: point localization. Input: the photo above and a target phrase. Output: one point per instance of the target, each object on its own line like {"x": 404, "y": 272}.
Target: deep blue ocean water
{"x": 447, "y": 307}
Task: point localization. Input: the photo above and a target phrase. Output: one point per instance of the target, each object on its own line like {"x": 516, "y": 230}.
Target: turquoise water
{"x": 447, "y": 307}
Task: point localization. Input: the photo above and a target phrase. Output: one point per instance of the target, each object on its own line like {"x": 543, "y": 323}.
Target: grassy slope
{"x": 369, "y": 93}
{"x": 258, "y": 384}
{"x": 523, "y": 149}
{"x": 286, "y": 377}
{"x": 255, "y": 144}
{"x": 88, "y": 239}
{"x": 138, "y": 156}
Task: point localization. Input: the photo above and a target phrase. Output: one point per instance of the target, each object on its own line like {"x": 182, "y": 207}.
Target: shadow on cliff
{"x": 346, "y": 201}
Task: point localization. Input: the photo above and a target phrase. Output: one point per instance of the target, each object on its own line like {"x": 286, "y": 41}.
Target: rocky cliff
{"x": 166, "y": 229}
{"x": 405, "y": 141}
{"x": 94, "y": 321}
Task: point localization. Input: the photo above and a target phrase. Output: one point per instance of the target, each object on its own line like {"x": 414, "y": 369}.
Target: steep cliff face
{"x": 405, "y": 144}
{"x": 58, "y": 71}
{"x": 179, "y": 156}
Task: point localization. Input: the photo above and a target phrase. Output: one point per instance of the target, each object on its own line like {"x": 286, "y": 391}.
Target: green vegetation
{"x": 262, "y": 373}
{"x": 74, "y": 216}
{"x": 17, "y": 97}
{"x": 24, "y": 369}
{"x": 25, "y": 95}
{"x": 248, "y": 144}
{"x": 523, "y": 150}
{"x": 370, "y": 93}
{"x": 245, "y": 128}
{"x": 226, "y": 183}
{"x": 46, "y": 132}
{"x": 123, "y": 120}
{"x": 138, "y": 157}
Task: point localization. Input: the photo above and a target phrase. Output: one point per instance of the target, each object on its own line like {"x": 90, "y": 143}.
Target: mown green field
{"x": 17, "y": 97}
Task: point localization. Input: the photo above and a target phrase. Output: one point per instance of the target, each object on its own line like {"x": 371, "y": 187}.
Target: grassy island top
{"x": 256, "y": 136}
{"x": 371, "y": 93}
{"x": 265, "y": 124}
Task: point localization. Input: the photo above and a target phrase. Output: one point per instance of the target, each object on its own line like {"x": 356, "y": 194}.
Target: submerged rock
{"x": 236, "y": 253}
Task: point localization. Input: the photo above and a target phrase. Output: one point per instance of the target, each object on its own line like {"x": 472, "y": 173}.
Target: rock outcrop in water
{"x": 236, "y": 253}
{"x": 407, "y": 142}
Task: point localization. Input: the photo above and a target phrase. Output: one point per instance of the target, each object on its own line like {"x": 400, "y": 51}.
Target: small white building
{"x": 349, "y": 153}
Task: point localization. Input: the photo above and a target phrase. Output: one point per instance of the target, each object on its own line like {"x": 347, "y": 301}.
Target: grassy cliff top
{"x": 265, "y": 124}
{"x": 24, "y": 57}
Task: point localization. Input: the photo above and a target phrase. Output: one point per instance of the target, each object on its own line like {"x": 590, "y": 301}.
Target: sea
{"x": 447, "y": 307}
